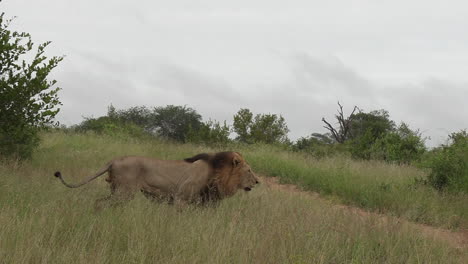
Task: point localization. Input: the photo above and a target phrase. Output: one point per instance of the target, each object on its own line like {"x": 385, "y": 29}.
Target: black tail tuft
{"x": 58, "y": 174}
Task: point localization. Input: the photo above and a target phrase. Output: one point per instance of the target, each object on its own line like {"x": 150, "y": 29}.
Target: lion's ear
{"x": 235, "y": 161}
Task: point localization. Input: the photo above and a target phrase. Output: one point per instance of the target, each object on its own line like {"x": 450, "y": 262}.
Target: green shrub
{"x": 402, "y": 146}
{"x": 319, "y": 146}
{"x": 109, "y": 126}
{"x": 449, "y": 164}
{"x": 210, "y": 133}
{"x": 18, "y": 141}
{"x": 28, "y": 100}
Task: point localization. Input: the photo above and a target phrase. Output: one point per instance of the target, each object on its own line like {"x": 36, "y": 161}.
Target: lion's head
{"x": 246, "y": 178}
{"x": 230, "y": 173}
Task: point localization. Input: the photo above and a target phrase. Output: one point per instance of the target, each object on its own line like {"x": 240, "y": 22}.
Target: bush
{"x": 263, "y": 128}
{"x": 318, "y": 145}
{"x": 449, "y": 164}
{"x": 210, "y": 133}
{"x": 109, "y": 126}
{"x": 28, "y": 100}
{"x": 402, "y": 146}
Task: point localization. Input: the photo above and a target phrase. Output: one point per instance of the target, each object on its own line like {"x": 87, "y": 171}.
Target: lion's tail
{"x": 99, "y": 173}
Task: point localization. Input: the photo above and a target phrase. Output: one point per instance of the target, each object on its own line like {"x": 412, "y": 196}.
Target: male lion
{"x": 199, "y": 179}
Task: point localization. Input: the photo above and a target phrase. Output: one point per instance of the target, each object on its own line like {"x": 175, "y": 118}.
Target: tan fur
{"x": 202, "y": 178}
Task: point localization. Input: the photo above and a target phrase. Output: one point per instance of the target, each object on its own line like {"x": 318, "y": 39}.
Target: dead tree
{"x": 342, "y": 133}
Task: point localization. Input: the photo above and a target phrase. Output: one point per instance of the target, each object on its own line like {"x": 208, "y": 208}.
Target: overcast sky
{"x": 294, "y": 58}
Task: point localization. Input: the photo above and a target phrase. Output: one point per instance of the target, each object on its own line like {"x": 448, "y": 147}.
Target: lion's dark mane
{"x": 217, "y": 161}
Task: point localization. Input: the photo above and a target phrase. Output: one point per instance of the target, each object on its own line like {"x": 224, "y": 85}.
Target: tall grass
{"x": 41, "y": 221}
{"x": 373, "y": 185}
{"x": 376, "y": 186}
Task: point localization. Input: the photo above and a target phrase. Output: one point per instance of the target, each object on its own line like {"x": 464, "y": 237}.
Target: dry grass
{"x": 373, "y": 185}
{"x": 41, "y": 221}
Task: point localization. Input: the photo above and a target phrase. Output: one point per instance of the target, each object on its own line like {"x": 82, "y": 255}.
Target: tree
{"x": 376, "y": 122}
{"x": 402, "y": 145}
{"x": 211, "y": 133}
{"x": 28, "y": 100}
{"x": 265, "y": 128}
{"x": 365, "y": 129}
{"x": 175, "y": 122}
{"x": 138, "y": 115}
{"x": 242, "y": 123}
{"x": 111, "y": 126}
{"x": 319, "y": 145}
{"x": 342, "y": 133}
{"x": 449, "y": 164}
{"x": 269, "y": 129}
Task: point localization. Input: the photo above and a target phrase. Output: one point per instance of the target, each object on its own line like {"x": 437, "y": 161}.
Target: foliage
{"x": 376, "y": 122}
{"x": 263, "y": 128}
{"x": 366, "y": 129}
{"x": 110, "y": 126}
{"x": 402, "y": 145}
{"x": 170, "y": 122}
{"x": 210, "y": 133}
{"x": 367, "y": 136}
{"x": 318, "y": 145}
{"x": 262, "y": 226}
{"x": 242, "y": 122}
{"x": 449, "y": 164}
{"x": 175, "y": 122}
{"x": 28, "y": 100}
{"x": 138, "y": 115}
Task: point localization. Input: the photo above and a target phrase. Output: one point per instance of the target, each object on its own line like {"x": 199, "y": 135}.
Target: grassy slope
{"x": 43, "y": 222}
{"x": 373, "y": 185}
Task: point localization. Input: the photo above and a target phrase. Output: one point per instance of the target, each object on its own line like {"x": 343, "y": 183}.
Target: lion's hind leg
{"x": 119, "y": 196}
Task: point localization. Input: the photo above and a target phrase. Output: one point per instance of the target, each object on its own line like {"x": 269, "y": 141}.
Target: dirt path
{"x": 455, "y": 239}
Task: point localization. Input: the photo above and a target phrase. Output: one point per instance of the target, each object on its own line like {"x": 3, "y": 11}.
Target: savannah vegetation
{"x": 366, "y": 160}
{"x": 44, "y": 222}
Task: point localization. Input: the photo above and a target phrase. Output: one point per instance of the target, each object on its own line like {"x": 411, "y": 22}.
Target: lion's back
{"x": 156, "y": 174}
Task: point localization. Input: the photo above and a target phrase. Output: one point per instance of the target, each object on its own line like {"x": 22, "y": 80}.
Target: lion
{"x": 200, "y": 179}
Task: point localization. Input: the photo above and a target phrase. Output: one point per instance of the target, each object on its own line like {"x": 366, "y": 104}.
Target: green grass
{"x": 373, "y": 185}
{"x": 41, "y": 221}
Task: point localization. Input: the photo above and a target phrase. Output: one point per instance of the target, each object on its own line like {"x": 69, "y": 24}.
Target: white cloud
{"x": 296, "y": 59}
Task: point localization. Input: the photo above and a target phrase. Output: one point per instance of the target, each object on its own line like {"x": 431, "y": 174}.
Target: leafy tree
{"x": 269, "y": 129}
{"x": 265, "y": 128}
{"x": 111, "y": 126}
{"x": 138, "y": 115}
{"x": 28, "y": 100}
{"x": 376, "y": 122}
{"x": 242, "y": 123}
{"x": 175, "y": 122}
{"x": 211, "y": 133}
{"x": 171, "y": 122}
{"x": 366, "y": 129}
{"x": 402, "y": 145}
{"x": 449, "y": 164}
{"x": 317, "y": 144}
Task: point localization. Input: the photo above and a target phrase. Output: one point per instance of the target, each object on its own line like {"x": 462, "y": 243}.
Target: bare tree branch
{"x": 342, "y": 134}
{"x": 332, "y": 130}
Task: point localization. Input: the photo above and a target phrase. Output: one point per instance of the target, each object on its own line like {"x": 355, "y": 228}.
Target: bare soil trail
{"x": 456, "y": 239}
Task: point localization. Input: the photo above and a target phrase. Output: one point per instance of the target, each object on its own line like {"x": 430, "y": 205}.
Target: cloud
{"x": 329, "y": 75}
{"x": 311, "y": 91}
{"x": 437, "y": 107}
